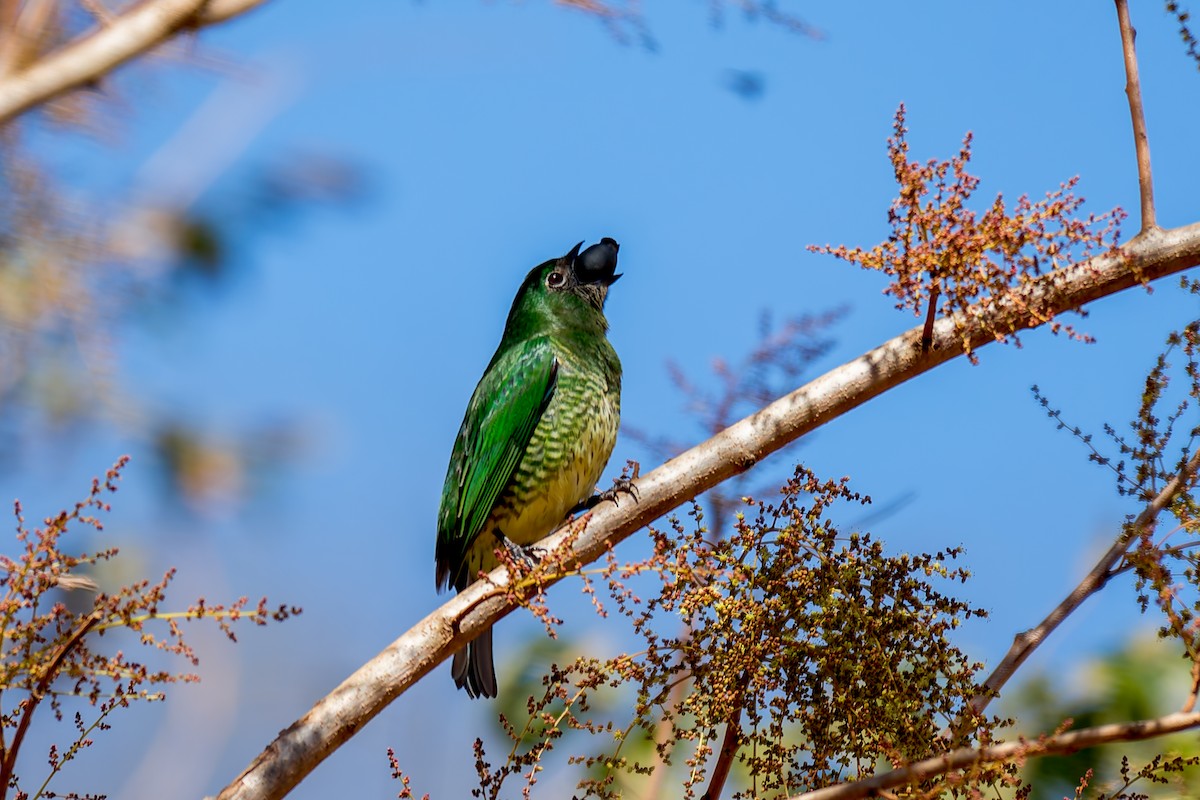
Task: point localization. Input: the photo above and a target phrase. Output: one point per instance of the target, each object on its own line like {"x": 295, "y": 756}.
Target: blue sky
{"x": 495, "y": 136}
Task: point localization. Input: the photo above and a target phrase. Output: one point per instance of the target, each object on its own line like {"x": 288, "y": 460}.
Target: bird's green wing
{"x": 500, "y": 419}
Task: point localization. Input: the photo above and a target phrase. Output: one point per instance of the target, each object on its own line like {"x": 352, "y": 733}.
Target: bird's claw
{"x": 528, "y": 556}
{"x": 621, "y": 485}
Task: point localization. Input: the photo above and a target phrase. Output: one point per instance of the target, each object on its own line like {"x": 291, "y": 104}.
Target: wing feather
{"x": 501, "y": 417}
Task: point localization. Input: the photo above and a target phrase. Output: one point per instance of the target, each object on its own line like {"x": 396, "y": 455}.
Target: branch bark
{"x": 966, "y": 757}
{"x": 86, "y": 60}
{"x": 334, "y": 719}
{"x": 1141, "y": 140}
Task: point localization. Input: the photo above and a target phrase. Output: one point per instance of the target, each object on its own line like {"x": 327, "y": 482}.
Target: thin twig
{"x": 1190, "y": 703}
{"x": 1141, "y": 141}
{"x": 966, "y": 757}
{"x": 930, "y": 315}
{"x": 74, "y": 749}
{"x": 1171, "y": 552}
{"x": 1025, "y": 643}
{"x": 35, "y": 697}
{"x": 729, "y": 749}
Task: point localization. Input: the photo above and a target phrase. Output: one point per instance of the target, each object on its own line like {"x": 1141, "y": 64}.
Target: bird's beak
{"x": 597, "y": 264}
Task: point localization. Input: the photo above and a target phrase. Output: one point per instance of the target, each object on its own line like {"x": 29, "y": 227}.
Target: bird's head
{"x": 571, "y": 289}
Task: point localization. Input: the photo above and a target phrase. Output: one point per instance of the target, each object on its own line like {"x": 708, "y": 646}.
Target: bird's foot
{"x": 621, "y": 485}
{"x": 528, "y": 556}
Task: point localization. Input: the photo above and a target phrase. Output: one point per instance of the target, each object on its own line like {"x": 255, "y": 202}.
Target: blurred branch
{"x": 23, "y": 25}
{"x": 91, "y": 57}
{"x": 772, "y": 14}
{"x": 622, "y": 16}
{"x": 338, "y": 716}
{"x": 1190, "y": 702}
{"x": 1185, "y": 31}
{"x": 218, "y": 11}
{"x": 963, "y": 758}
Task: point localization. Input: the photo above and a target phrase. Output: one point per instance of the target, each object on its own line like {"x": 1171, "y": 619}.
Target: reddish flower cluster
{"x": 945, "y": 258}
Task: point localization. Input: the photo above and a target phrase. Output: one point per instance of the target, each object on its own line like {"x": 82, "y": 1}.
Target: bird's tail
{"x": 473, "y": 669}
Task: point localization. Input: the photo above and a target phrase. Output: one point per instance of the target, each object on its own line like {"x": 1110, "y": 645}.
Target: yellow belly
{"x": 556, "y": 473}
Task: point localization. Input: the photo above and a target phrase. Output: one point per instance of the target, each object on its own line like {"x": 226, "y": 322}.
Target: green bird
{"x": 537, "y": 432}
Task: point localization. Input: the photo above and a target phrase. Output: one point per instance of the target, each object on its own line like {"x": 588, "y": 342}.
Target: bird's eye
{"x": 555, "y": 279}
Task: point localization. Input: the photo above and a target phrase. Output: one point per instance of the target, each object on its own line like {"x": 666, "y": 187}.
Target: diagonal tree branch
{"x": 86, "y": 60}
{"x": 966, "y": 757}
{"x": 334, "y": 719}
{"x": 1025, "y": 643}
